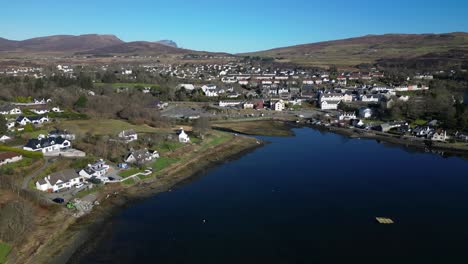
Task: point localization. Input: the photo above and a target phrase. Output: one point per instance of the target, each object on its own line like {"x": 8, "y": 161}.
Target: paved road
{"x": 34, "y": 174}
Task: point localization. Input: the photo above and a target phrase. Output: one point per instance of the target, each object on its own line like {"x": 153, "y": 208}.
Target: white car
{"x": 79, "y": 185}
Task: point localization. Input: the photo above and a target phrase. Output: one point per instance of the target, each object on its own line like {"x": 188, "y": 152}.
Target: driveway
{"x": 34, "y": 174}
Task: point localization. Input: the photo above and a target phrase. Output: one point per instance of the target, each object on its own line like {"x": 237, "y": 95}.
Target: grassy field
{"x": 129, "y": 172}
{"x": 162, "y": 163}
{"x": 105, "y": 126}
{"x": 264, "y": 128}
{"x": 4, "y": 251}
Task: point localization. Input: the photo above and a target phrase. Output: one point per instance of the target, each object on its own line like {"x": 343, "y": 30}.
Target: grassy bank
{"x": 4, "y": 251}
{"x": 260, "y": 128}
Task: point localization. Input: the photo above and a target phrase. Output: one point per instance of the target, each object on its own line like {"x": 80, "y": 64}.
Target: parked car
{"x": 79, "y": 185}
{"x": 111, "y": 178}
{"x": 58, "y": 200}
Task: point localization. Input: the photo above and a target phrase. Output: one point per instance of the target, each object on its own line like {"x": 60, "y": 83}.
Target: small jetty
{"x": 384, "y": 220}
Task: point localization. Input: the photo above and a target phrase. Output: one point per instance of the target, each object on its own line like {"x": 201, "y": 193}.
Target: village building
{"x": 183, "y": 137}
{"x": 10, "y": 110}
{"x": 229, "y": 103}
{"x": 59, "y": 181}
{"x": 35, "y": 120}
{"x": 278, "y": 105}
{"x": 4, "y": 138}
{"x": 365, "y": 112}
{"x": 346, "y": 116}
{"x": 97, "y": 169}
{"x": 62, "y": 133}
{"x": 47, "y": 144}
{"x": 128, "y": 135}
{"x": 141, "y": 156}
{"x": 40, "y": 111}
{"x": 9, "y": 157}
{"x": 329, "y": 105}
{"x": 439, "y": 135}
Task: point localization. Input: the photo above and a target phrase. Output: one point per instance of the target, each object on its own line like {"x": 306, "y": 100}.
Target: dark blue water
{"x": 312, "y": 198}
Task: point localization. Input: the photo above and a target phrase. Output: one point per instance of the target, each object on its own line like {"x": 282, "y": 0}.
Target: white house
{"x": 62, "y": 133}
{"x": 440, "y": 135}
{"x": 59, "y": 181}
{"x": 347, "y": 116}
{"x": 183, "y": 137}
{"x": 57, "y": 110}
{"x": 210, "y": 90}
{"x": 336, "y": 97}
{"x": 9, "y": 157}
{"x": 370, "y": 98}
{"x": 47, "y": 144}
{"x": 329, "y": 105}
{"x": 141, "y": 156}
{"x": 4, "y": 138}
{"x": 365, "y": 112}
{"x": 248, "y": 105}
{"x": 229, "y": 103}
{"x": 36, "y": 120}
{"x": 10, "y": 110}
{"x": 98, "y": 169}
{"x": 189, "y": 87}
{"x": 128, "y": 135}
{"x": 40, "y": 111}
{"x": 278, "y": 105}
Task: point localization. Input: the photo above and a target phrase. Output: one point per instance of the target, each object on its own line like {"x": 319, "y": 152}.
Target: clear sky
{"x": 232, "y": 26}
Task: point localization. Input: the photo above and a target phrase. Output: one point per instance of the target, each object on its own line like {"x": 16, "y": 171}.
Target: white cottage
{"x": 183, "y": 137}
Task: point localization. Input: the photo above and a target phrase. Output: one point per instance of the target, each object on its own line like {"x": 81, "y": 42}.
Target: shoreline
{"x": 73, "y": 239}
{"x": 437, "y": 147}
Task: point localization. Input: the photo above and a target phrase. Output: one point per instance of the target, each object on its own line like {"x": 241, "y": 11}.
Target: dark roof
{"x": 36, "y": 143}
{"x": 7, "y": 107}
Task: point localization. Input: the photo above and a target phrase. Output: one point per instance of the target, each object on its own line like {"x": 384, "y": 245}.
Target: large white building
{"x": 59, "y": 181}
{"x": 329, "y": 105}
{"x": 47, "y": 144}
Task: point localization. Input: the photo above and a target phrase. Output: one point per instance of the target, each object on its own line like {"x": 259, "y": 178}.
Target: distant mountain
{"x": 368, "y": 49}
{"x": 168, "y": 43}
{"x": 93, "y": 44}
{"x": 137, "y": 47}
{"x": 60, "y": 43}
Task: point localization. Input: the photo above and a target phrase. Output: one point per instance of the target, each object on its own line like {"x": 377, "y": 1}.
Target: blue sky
{"x": 232, "y": 26}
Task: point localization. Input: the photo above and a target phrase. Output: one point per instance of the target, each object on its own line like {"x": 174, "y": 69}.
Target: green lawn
{"x": 127, "y": 173}
{"x": 130, "y": 181}
{"x": 4, "y": 251}
{"x": 419, "y": 122}
{"x": 163, "y": 163}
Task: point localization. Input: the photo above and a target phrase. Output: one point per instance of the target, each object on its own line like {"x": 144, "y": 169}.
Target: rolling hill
{"x": 59, "y": 43}
{"x": 368, "y": 49}
{"x": 92, "y": 45}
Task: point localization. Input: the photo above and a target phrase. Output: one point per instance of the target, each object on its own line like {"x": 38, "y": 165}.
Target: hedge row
{"x": 25, "y": 153}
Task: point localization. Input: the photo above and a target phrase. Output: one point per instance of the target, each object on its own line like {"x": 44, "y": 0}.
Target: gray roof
{"x": 64, "y": 176}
